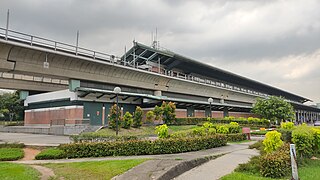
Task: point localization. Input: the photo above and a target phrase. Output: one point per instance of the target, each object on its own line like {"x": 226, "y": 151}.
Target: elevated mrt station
{"x": 63, "y": 84}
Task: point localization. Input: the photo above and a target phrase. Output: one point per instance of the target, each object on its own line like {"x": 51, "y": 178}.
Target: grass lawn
{"x": 239, "y": 142}
{"x": 309, "y": 170}
{"x": 143, "y": 131}
{"x": 93, "y": 170}
{"x": 10, "y": 154}
{"x": 17, "y": 172}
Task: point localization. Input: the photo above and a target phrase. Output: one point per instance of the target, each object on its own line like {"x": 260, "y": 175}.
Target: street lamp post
{"x": 210, "y": 101}
{"x": 117, "y": 90}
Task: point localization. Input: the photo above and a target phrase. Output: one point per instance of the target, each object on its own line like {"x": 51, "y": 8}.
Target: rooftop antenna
{"x": 7, "y": 26}
{"x": 155, "y": 42}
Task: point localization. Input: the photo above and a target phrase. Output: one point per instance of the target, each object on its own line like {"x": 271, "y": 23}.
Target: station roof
{"x": 172, "y": 60}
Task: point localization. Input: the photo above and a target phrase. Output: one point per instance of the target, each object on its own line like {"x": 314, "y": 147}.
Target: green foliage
{"x": 234, "y": 127}
{"x": 272, "y": 141}
{"x": 252, "y": 167}
{"x": 162, "y": 131}
{"x": 303, "y": 138}
{"x": 241, "y": 121}
{"x": 169, "y": 114}
{"x": 127, "y": 120}
{"x": 157, "y": 112}
{"x": 113, "y": 115}
{"x": 277, "y": 163}
{"x": 11, "y": 108}
{"x": 137, "y": 119}
{"x": 257, "y": 145}
{"x": 287, "y": 125}
{"x": 150, "y": 117}
{"x": 223, "y": 130}
{"x": 207, "y": 125}
{"x": 142, "y": 147}
{"x": 11, "y": 154}
{"x": 12, "y": 145}
{"x": 286, "y": 135}
{"x": 316, "y": 135}
{"x": 236, "y": 137}
{"x": 50, "y": 153}
{"x": 96, "y": 137}
{"x": 274, "y": 108}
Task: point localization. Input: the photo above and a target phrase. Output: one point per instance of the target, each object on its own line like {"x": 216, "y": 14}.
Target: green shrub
{"x": 207, "y": 125}
{"x": 286, "y": 135}
{"x": 252, "y": 167}
{"x": 287, "y": 125}
{"x": 168, "y": 110}
{"x": 236, "y": 137}
{"x": 234, "y": 127}
{"x": 162, "y": 131}
{"x": 276, "y": 164}
{"x": 303, "y": 138}
{"x": 11, "y": 154}
{"x": 257, "y": 145}
{"x": 157, "y": 112}
{"x": 272, "y": 141}
{"x": 142, "y": 147}
{"x": 12, "y": 145}
{"x": 137, "y": 119}
{"x": 127, "y": 120}
{"x": 316, "y": 134}
{"x": 51, "y": 153}
{"x": 223, "y": 130}
{"x": 94, "y": 137}
{"x": 150, "y": 117}
{"x": 114, "y": 115}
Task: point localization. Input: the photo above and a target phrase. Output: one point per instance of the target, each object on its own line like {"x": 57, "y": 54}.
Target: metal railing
{"x": 31, "y": 40}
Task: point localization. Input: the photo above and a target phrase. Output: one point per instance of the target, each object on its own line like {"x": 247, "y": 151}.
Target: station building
{"x": 148, "y": 76}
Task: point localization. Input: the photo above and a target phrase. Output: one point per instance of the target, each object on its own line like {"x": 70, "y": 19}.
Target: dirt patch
{"x": 30, "y": 154}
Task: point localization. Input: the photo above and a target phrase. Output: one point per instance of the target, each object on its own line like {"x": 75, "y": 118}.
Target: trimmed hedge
{"x": 90, "y": 137}
{"x": 11, "y": 154}
{"x": 142, "y": 147}
{"x": 236, "y": 137}
{"x": 242, "y": 121}
{"x": 51, "y": 153}
{"x": 12, "y": 145}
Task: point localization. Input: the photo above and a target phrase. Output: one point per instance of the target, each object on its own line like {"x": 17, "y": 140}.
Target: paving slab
{"x": 217, "y": 168}
{"x": 34, "y": 139}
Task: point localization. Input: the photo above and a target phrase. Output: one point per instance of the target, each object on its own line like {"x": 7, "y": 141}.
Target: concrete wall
{"x": 55, "y": 116}
{"x": 64, "y": 66}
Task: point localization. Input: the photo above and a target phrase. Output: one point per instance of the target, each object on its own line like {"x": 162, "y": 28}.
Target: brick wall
{"x": 56, "y": 115}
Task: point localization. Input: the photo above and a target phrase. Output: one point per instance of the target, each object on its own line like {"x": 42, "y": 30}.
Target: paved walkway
{"x": 34, "y": 139}
{"x": 219, "y": 167}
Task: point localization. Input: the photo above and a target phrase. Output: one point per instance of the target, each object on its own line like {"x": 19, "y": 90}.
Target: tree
{"x": 169, "y": 114}
{"x": 157, "y": 112}
{"x": 113, "y": 117}
{"x": 127, "y": 120}
{"x": 11, "y": 107}
{"x": 137, "y": 120}
{"x": 274, "y": 108}
{"x": 149, "y": 117}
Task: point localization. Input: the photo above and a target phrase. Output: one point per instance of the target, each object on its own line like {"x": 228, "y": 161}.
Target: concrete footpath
{"x": 219, "y": 167}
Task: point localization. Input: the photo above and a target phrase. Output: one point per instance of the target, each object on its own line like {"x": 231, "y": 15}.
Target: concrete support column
{"x": 157, "y": 93}
{"x": 225, "y": 112}
{"x": 190, "y": 111}
{"x": 73, "y": 84}
{"x": 23, "y": 95}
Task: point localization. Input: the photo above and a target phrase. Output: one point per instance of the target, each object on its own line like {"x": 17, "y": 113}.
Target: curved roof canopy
{"x": 143, "y": 53}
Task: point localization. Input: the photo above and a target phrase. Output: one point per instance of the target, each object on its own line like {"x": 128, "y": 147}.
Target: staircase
{"x": 91, "y": 128}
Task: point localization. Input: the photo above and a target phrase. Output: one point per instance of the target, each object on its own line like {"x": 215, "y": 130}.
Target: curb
{"x": 186, "y": 166}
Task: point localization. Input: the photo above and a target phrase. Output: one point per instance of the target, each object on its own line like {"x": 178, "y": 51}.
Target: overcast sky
{"x": 274, "y": 42}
